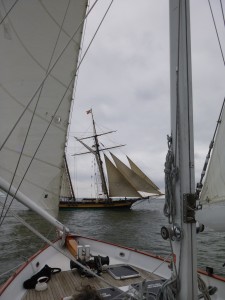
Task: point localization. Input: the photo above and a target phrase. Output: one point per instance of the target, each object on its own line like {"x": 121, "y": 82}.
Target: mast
{"x": 96, "y": 153}
{"x": 98, "y": 159}
{"x": 183, "y": 149}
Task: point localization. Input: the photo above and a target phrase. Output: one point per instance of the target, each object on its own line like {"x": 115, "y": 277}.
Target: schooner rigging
{"x": 120, "y": 188}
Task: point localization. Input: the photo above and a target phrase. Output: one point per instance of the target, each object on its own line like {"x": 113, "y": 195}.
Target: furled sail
{"x": 137, "y": 181}
{"x": 118, "y": 185}
{"x": 40, "y": 42}
{"x": 214, "y": 184}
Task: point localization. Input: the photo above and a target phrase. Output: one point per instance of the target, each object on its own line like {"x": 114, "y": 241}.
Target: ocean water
{"x": 137, "y": 228}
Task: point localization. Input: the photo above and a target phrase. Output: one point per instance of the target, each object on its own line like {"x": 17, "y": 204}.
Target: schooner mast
{"x": 97, "y": 155}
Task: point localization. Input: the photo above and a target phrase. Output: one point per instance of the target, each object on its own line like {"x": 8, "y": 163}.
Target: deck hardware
{"x": 189, "y": 207}
{"x": 174, "y": 232}
{"x": 199, "y": 227}
{"x": 209, "y": 271}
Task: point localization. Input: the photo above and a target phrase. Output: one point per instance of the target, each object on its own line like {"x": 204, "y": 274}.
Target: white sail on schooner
{"x": 120, "y": 186}
{"x": 40, "y": 43}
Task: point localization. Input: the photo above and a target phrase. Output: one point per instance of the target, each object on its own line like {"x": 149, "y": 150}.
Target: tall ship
{"x": 120, "y": 186}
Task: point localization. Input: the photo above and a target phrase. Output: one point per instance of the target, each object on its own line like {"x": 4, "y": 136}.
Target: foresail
{"x": 118, "y": 185}
{"x": 40, "y": 42}
{"x": 138, "y": 182}
{"x": 138, "y": 171}
{"x": 214, "y": 184}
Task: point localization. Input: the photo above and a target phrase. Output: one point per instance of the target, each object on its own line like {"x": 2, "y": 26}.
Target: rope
{"x": 170, "y": 171}
{"x": 217, "y": 34}
{"x": 7, "y": 13}
{"x": 203, "y": 289}
{"x": 168, "y": 290}
{"x": 222, "y": 12}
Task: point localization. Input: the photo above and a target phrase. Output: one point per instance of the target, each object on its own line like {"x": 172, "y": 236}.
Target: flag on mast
{"x": 89, "y": 111}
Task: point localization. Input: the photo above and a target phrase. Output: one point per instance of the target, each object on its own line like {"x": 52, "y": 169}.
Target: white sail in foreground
{"x": 213, "y": 191}
{"x": 137, "y": 181}
{"x": 40, "y": 42}
{"x": 214, "y": 184}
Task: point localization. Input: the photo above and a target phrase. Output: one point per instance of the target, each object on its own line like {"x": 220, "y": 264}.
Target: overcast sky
{"x": 124, "y": 78}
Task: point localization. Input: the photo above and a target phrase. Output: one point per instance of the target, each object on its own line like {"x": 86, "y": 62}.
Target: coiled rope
{"x": 171, "y": 172}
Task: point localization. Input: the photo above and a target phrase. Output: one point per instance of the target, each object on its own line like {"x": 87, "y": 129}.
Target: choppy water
{"x": 136, "y": 228}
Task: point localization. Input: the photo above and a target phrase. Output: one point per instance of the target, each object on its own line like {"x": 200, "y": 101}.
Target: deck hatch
{"x": 123, "y": 272}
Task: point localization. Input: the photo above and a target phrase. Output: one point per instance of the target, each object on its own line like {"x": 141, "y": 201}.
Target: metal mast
{"x": 183, "y": 149}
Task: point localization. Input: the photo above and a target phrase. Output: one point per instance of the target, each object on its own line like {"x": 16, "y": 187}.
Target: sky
{"x": 125, "y": 79}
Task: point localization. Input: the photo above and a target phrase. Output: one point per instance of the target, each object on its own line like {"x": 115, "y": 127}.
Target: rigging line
{"x": 222, "y": 12}
{"x": 33, "y": 114}
{"x": 89, "y": 45}
{"x": 47, "y": 75}
{"x": 76, "y": 75}
{"x": 9, "y": 12}
{"x": 95, "y": 33}
{"x": 218, "y": 38}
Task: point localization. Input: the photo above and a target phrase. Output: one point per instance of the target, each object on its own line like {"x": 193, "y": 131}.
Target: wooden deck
{"x": 69, "y": 282}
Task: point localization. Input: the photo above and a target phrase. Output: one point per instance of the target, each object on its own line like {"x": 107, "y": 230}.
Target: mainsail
{"x": 36, "y": 87}
{"x": 214, "y": 184}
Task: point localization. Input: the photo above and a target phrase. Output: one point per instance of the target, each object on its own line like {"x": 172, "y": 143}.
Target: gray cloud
{"x": 125, "y": 79}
